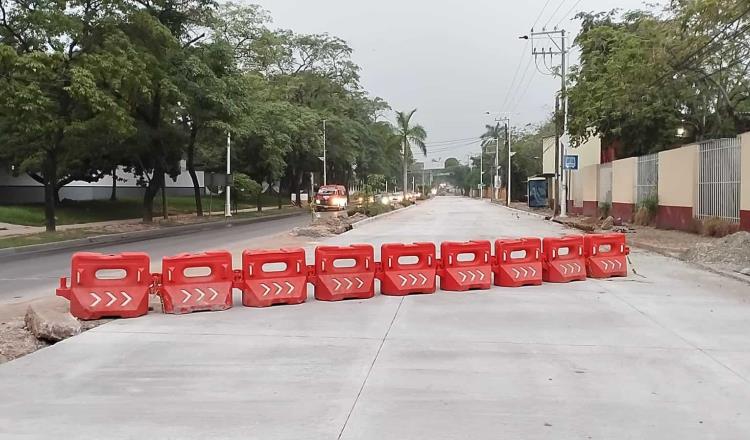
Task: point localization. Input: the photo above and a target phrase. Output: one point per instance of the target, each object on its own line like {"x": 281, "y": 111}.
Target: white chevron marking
{"x": 413, "y": 280}
{"x": 127, "y": 300}
{"x": 201, "y": 294}
{"x": 266, "y": 289}
{"x": 564, "y": 268}
{"x": 291, "y": 287}
{"x": 533, "y": 271}
{"x": 338, "y": 284}
{"x": 349, "y": 283}
{"x": 525, "y": 272}
{"x": 606, "y": 265}
{"x": 403, "y": 280}
{"x": 361, "y": 283}
{"x": 463, "y": 276}
{"x": 97, "y": 299}
{"x": 481, "y": 275}
{"x": 577, "y": 266}
{"x": 112, "y": 298}
{"x": 278, "y": 288}
{"x": 215, "y": 293}
{"x": 516, "y": 273}
{"x": 424, "y": 279}
{"x": 473, "y": 277}
{"x": 619, "y": 264}
{"x": 187, "y": 295}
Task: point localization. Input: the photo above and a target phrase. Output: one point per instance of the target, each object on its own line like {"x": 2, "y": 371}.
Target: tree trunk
{"x": 113, "y": 194}
{"x": 151, "y": 191}
{"x": 50, "y": 180}
{"x": 190, "y": 164}
{"x": 164, "y": 211}
{"x": 258, "y": 202}
{"x": 278, "y": 195}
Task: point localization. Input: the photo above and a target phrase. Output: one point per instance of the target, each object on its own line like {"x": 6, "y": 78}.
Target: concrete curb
{"x": 520, "y": 211}
{"x": 381, "y": 216}
{"x": 130, "y": 237}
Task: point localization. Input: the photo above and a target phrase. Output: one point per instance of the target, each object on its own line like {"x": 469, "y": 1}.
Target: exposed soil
{"x": 732, "y": 251}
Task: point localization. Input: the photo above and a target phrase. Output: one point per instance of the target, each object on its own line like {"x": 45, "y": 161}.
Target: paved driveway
{"x": 664, "y": 355}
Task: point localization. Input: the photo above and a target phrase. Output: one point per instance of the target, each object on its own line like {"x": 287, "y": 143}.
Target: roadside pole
{"x": 507, "y": 133}
{"x": 325, "y": 175}
{"x": 227, "y": 205}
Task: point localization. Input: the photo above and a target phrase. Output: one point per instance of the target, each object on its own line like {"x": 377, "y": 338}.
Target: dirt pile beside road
{"x": 733, "y": 250}
{"x": 325, "y": 227}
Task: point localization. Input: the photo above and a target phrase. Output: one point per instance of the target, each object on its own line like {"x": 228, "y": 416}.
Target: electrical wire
{"x": 515, "y": 75}
{"x": 554, "y": 13}
{"x": 567, "y": 14}
{"x": 540, "y": 14}
{"x": 513, "y": 101}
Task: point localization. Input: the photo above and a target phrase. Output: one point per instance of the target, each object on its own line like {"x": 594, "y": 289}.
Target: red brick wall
{"x": 745, "y": 220}
{"x": 623, "y": 211}
{"x": 591, "y": 208}
{"x": 674, "y": 217}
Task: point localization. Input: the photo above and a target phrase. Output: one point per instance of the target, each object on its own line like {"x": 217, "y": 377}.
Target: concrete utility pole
{"x": 507, "y": 134}
{"x": 481, "y": 173}
{"x": 557, "y": 37}
{"x": 506, "y": 120}
{"x": 496, "y": 190}
{"x": 228, "y": 204}
{"x": 325, "y": 171}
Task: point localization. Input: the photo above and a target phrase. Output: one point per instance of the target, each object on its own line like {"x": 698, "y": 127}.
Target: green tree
{"x": 409, "y": 135}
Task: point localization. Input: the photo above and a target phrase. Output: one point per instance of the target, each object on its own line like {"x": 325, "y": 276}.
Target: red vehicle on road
{"x": 331, "y": 197}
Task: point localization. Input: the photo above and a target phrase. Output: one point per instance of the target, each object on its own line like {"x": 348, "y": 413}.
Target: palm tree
{"x": 490, "y": 139}
{"x": 409, "y": 135}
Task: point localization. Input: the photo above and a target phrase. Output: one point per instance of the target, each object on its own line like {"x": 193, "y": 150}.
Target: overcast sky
{"x": 453, "y": 60}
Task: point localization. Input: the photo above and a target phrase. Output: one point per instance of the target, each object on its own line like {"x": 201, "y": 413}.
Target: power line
{"x": 540, "y": 14}
{"x": 515, "y": 75}
{"x": 553, "y": 13}
{"x": 451, "y": 141}
{"x": 567, "y": 14}
{"x": 513, "y": 101}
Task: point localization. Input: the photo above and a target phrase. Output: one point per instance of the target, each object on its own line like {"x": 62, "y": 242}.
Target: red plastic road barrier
{"x": 107, "y": 286}
{"x": 196, "y": 282}
{"x": 398, "y": 278}
{"x": 515, "y": 271}
{"x": 565, "y": 267}
{"x": 265, "y": 283}
{"x": 335, "y": 281}
{"x": 458, "y": 274}
{"x": 606, "y": 255}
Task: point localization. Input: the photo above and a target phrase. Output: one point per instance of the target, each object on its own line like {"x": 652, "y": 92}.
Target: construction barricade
{"x": 271, "y": 277}
{"x": 513, "y": 270}
{"x": 107, "y": 286}
{"x": 606, "y": 255}
{"x": 335, "y": 280}
{"x": 562, "y": 267}
{"x": 196, "y": 282}
{"x": 460, "y": 274}
{"x": 400, "y": 278}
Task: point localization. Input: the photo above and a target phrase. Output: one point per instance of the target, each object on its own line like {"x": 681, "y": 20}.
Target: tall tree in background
{"x": 409, "y": 135}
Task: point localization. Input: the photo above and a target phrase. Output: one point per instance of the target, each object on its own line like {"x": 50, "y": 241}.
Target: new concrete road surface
{"x": 27, "y": 276}
{"x": 662, "y": 355}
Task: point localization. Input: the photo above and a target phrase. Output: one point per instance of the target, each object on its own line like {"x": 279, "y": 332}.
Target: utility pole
{"x": 556, "y": 208}
{"x": 557, "y": 37}
{"x": 481, "y": 173}
{"x": 403, "y": 155}
{"x": 507, "y": 135}
{"x": 325, "y": 172}
{"x": 228, "y": 204}
{"x": 496, "y": 190}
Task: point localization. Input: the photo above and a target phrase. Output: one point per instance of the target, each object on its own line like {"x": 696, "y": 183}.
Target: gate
{"x": 719, "y": 179}
{"x": 648, "y": 177}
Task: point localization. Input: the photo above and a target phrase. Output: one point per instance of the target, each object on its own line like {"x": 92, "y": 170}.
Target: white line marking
{"x": 403, "y": 280}
{"x": 338, "y": 284}
{"x": 201, "y": 294}
{"x": 525, "y": 272}
{"x": 215, "y": 293}
{"x": 361, "y": 283}
{"x": 463, "y": 276}
{"x": 291, "y": 287}
{"x": 473, "y": 277}
{"x": 278, "y": 288}
{"x": 481, "y": 275}
{"x": 266, "y": 289}
{"x": 112, "y": 300}
{"x": 577, "y": 266}
{"x": 619, "y": 264}
{"x": 424, "y": 279}
{"x": 125, "y": 294}
{"x": 349, "y": 283}
{"x": 533, "y": 271}
{"x": 516, "y": 273}
{"x": 187, "y": 295}
{"x": 564, "y": 268}
{"x": 96, "y": 300}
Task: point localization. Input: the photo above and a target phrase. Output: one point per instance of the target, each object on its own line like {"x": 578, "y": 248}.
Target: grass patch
{"x": 88, "y": 211}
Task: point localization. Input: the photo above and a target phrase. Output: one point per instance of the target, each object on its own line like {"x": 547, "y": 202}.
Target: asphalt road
{"x": 663, "y": 355}
{"x": 30, "y": 276}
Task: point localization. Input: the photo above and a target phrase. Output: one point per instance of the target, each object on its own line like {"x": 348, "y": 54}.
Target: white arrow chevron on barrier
{"x": 525, "y": 272}
{"x": 187, "y": 295}
{"x": 201, "y": 294}
{"x": 127, "y": 298}
{"x": 361, "y": 283}
{"x": 473, "y": 277}
{"x": 266, "y": 289}
{"x": 564, "y": 268}
{"x": 413, "y": 279}
{"x": 606, "y": 264}
{"x": 338, "y": 284}
{"x": 290, "y": 286}
{"x": 533, "y": 271}
{"x": 97, "y": 299}
{"x": 619, "y": 264}
{"x": 463, "y": 276}
{"x": 112, "y": 299}
{"x": 215, "y": 293}
{"x": 481, "y": 275}
{"x": 516, "y": 273}
{"x": 349, "y": 283}
{"x": 278, "y": 288}
{"x": 424, "y": 279}
{"x": 577, "y": 266}
{"x": 403, "y": 280}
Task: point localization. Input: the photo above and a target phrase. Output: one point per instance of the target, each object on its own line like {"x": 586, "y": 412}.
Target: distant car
{"x": 331, "y": 197}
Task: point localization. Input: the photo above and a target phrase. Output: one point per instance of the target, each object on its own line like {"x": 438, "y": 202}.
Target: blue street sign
{"x": 571, "y": 162}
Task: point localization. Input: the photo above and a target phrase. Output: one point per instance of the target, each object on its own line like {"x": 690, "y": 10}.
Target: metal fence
{"x": 719, "y": 179}
{"x": 605, "y": 183}
{"x": 647, "y": 184}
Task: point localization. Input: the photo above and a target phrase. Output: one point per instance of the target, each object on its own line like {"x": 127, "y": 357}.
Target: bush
{"x": 406, "y": 202}
{"x": 376, "y": 209}
{"x": 718, "y": 227}
{"x": 646, "y": 213}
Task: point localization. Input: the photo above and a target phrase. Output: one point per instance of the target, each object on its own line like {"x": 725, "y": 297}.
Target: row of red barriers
{"x": 199, "y": 282}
